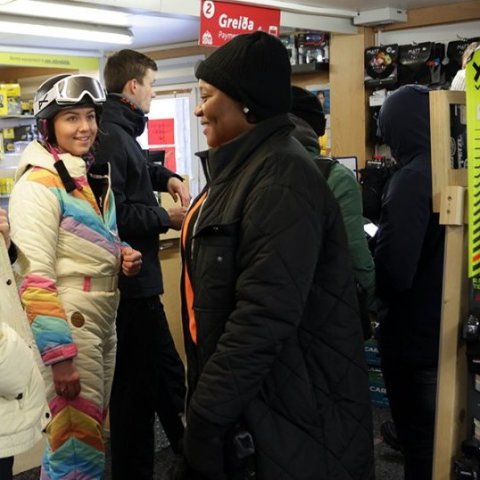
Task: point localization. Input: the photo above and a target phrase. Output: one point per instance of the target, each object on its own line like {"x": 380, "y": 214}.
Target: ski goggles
{"x": 70, "y": 91}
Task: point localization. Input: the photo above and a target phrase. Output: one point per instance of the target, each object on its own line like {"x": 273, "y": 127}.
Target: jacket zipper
{"x": 195, "y": 226}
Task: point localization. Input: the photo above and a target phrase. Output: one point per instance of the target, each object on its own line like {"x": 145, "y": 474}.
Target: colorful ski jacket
{"x": 67, "y": 240}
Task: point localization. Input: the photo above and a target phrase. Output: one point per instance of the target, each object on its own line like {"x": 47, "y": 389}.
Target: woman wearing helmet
{"x": 62, "y": 216}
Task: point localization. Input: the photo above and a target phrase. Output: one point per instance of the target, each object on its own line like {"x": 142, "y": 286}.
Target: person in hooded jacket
{"x": 149, "y": 374}
{"x": 62, "y": 216}
{"x": 307, "y": 115}
{"x": 23, "y": 405}
{"x": 409, "y": 267}
{"x": 278, "y": 387}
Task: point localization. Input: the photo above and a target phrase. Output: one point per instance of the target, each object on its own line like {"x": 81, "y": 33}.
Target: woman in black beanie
{"x": 278, "y": 386}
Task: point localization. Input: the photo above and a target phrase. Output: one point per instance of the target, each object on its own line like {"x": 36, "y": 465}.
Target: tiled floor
{"x": 388, "y": 462}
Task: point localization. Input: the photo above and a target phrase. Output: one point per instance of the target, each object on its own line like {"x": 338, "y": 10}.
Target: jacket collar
{"x": 120, "y": 110}
{"x": 35, "y": 155}
{"x": 224, "y": 161}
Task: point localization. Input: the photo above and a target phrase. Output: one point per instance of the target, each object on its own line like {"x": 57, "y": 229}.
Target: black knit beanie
{"x": 307, "y": 106}
{"x": 253, "y": 69}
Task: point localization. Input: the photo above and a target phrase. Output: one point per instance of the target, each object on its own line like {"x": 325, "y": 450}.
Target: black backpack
{"x": 373, "y": 179}
{"x": 325, "y": 164}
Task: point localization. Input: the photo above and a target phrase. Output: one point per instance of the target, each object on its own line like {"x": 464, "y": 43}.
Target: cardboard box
{"x": 10, "y": 103}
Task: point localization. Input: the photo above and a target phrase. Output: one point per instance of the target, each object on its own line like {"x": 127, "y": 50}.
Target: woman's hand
{"x": 131, "y": 261}
{"x": 4, "y": 226}
{"x": 66, "y": 379}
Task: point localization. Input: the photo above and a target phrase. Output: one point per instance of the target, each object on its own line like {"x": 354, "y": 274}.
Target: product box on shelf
{"x": 458, "y": 136}
{"x": 313, "y": 47}
{"x": 378, "y": 391}
{"x": 10, "y": 103}
{"x": 289, "y": 42}
{"x": 8, "y": 135}
{"x": 372, "y": 355}
{"x": 14, "y": 138}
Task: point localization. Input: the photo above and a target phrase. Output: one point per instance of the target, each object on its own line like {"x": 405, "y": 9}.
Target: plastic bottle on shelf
{"x": 301, "y": 53}
{"x": 293, "y": 50}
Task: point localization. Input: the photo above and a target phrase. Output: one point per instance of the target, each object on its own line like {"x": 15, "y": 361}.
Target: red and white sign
{"x": 221, "y": 21}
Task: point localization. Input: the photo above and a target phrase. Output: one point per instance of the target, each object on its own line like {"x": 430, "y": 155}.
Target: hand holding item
{"x": 176, "y": 217}
{"x": 178, "y": 189}
{"x": 131, "y": 261}
{"x": 4, "y": 226}
{"x": 66, "y": 379}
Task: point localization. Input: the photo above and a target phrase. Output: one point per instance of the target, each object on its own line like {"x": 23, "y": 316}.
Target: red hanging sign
{"x": 221, "y": 21}
{"x": 161, "y": 136}
{"x": 161, "y": 131}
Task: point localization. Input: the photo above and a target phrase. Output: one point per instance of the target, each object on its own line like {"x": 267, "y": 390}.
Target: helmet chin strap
{"x": 67, "y": 180}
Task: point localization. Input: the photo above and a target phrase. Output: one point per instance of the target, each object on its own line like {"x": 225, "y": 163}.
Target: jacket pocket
{"x": 215, "y": 266}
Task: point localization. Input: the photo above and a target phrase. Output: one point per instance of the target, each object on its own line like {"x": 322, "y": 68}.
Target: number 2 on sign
{"x": 208, "y": 9}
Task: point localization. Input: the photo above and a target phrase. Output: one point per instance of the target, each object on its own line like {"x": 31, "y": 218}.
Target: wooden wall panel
{"x": 348, "y": 98}
{"x": 439, "y": 15}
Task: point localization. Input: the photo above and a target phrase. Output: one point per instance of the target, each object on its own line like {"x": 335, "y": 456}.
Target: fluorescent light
{"x": 20, "y": 25}
{"x": 63, "y": 11}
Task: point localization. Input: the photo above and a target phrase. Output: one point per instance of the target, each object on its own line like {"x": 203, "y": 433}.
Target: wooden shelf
{"x": 17, "y": 117}
{"x": 310, "y": 67}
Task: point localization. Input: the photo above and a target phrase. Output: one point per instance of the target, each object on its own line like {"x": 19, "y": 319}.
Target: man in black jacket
{"x": 149, "y": 375}
{"x": 409, "y": 267}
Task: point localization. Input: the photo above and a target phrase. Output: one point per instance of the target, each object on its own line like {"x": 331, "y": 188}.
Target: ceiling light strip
{"x": 19, "y": 25}
{"x": 61, "y": 11}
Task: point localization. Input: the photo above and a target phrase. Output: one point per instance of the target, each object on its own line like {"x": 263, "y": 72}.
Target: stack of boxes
{"x": 378, "y": 392}
{"x": 13, "y": 139}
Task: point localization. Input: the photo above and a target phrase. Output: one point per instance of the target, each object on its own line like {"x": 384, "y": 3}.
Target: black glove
{"x": 203, "y": 447}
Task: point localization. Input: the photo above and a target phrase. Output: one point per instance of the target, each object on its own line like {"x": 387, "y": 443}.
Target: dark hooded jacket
{"x": 279, "y": 348}
{"x": 140, "y": 219}
{"x": 410, "y": 242}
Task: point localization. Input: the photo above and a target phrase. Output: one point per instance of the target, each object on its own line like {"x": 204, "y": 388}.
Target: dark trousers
{"x": 412, "y": 394}
{"x": 149, "y": 378}
{"x": 6, "y": 465}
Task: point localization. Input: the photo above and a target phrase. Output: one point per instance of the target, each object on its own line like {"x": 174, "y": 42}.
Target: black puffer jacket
{"x": 280, "y": 348}
{"x": 140, "y": 219}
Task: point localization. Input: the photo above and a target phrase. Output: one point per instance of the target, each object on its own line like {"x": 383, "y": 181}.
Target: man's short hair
{"x": 125, "y": 65}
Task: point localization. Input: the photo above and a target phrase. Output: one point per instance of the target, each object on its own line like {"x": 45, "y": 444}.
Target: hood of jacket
{"x": 305, "y": 134}
{"x": 404, "y": 123}
{"x": 36, "y": 155}
{"x": 221, "y": 162}
{"x": 121, "y": 111}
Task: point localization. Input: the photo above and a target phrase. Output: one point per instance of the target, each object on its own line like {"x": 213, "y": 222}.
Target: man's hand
{"x": 66, "y": 379}
{"x": 131, "y": 261}
{"x": 176, "y": 217}
{"x": 176, "y": 188}
{"x": 4, "y": 226}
